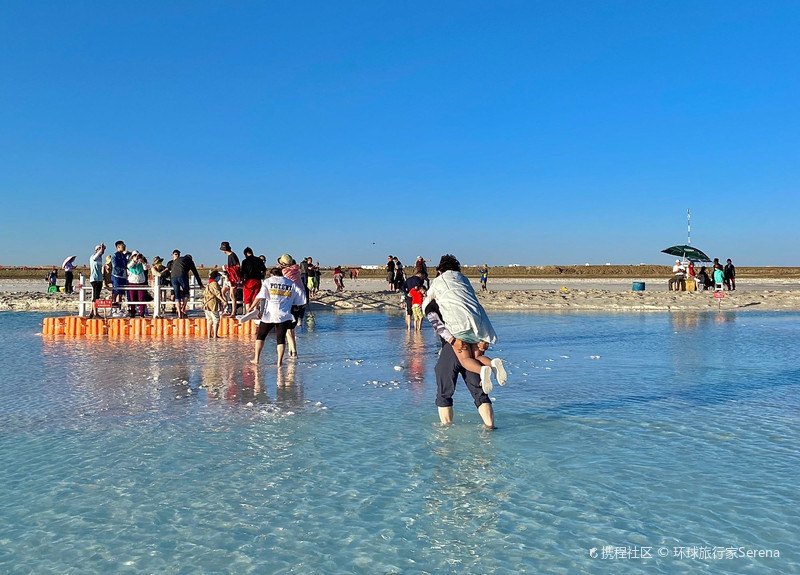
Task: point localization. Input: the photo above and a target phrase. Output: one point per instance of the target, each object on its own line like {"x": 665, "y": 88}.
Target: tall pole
{"x": 688, "y": 227}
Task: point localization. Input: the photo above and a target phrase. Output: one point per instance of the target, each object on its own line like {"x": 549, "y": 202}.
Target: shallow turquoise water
{"x": 616, "y": 432}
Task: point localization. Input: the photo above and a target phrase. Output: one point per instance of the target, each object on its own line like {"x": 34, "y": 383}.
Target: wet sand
{"x": 606, "y": 295}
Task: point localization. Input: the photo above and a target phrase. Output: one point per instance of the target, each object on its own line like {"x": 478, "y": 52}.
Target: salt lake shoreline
{"x": 511, "y": 295}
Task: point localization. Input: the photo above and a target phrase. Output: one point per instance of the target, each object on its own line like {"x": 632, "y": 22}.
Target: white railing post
{"x": 192, "y": 290}
{"x": 156, "y": 296}
{"x": 81, "y": 299}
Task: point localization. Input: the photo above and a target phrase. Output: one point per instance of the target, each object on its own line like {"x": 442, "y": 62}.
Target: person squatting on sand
{"x": 276, "y": 298}
{"x": 466, "y": 320}
{"x": 447, "y": 371}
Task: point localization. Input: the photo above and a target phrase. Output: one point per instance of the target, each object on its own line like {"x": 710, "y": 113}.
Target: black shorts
{"x": 280, "y": 331}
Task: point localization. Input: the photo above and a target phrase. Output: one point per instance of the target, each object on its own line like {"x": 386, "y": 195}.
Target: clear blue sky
{"x": 503, "y": 132}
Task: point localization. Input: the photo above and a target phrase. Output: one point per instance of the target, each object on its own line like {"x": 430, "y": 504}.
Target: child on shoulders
{"x": 466, "y": 319}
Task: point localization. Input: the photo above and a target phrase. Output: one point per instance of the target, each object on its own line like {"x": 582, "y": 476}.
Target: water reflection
{"x": 699, "y": 320}
{"x": 415, "y": 359}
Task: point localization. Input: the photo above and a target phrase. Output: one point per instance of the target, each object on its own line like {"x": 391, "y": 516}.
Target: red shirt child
{"x": 416, "y": 296}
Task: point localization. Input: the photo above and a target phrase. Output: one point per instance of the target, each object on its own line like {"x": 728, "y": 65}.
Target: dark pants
{"x": 304, "y": 283}
{"x": 447, "y": 371}
{"x": 280, "y": 331}
{"x": 68, "y": 282}
{"x": 136, "y": 295}
{"x": 97, "y": 287}
{"x": 677, "y": 283}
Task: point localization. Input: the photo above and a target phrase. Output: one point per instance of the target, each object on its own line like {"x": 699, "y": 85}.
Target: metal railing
{"x": 157, "y": 306}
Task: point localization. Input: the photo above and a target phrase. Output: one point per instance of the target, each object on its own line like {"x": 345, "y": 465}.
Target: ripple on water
{"x": 175, "y": 455}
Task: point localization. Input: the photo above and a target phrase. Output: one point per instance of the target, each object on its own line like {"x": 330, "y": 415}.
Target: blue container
{"x": 638, "y": 286}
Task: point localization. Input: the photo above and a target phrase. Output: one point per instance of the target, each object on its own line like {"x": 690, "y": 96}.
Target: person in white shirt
{"x": 678, "y": 279}
{"x": 275, "y": 300}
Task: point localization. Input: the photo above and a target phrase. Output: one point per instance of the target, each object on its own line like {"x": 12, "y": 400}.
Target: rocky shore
{"x": 508, "y": 296}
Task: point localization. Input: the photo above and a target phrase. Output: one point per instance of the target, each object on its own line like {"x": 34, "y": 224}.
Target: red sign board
{"x": 103, "y": 304}
{"x": 719, "y": 294}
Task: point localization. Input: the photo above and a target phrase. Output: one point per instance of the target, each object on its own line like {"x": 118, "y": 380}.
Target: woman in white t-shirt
{"x": 275, "y": 300}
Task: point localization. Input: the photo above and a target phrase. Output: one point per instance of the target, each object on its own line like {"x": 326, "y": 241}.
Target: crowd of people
{"x": 130, "y": 278}
{"x": 277, "y": 296}
{"x": 717, "y": 278}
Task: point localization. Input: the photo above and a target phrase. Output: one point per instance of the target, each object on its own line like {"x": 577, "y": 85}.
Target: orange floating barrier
{"x": 145, "y": 327}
